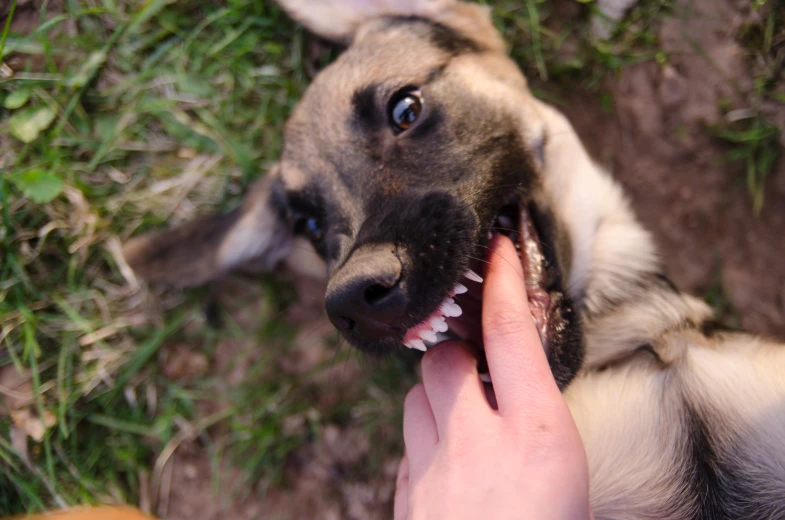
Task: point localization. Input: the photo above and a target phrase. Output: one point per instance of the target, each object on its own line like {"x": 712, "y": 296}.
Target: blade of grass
{"x": 7, "y": 26}
{"x": 113, "y": 423}
{"x": 145, "y": 352}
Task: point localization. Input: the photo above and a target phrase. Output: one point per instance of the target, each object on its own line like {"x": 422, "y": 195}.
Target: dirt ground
{"x": 654, "y": 141}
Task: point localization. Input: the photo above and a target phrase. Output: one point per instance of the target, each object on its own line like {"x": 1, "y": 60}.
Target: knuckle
{"x": 435, "y": 356}
{"x": 508, "y": 324}
{"x": 414, "y": 397}
{"x": 445, "y": 357}
{"x": 460, "y": 447}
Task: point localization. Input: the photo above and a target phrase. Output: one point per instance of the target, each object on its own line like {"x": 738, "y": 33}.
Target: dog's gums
{"x": 459, "y": 315}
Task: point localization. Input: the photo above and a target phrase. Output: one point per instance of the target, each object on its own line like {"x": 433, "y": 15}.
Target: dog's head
{"x": 402, "y": 158}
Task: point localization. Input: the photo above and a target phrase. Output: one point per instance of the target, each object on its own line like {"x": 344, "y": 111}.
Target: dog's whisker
{"x": 538, "y": 240}
{"x": 498, "y": 228}
{"x": 478, "y": 259}
{"x": 314, "y": 329}
{"x": 500, "y": 256}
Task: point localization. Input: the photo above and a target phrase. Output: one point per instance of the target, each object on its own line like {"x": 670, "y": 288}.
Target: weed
{"x": 118, "y": 117}
{"x": 725, "y": 313}
{"x": 754, "y": 140}
{"x": 553, "y": 40}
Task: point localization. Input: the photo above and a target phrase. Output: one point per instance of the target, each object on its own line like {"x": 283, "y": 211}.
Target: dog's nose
{"x": 365, "y": 297}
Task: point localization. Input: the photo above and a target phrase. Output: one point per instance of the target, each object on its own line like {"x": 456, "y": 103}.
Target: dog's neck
{"x": 615, "y": 272}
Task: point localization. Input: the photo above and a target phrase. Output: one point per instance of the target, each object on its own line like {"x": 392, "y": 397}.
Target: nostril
{"x": 344, "y": 324}
{"x": 375, "y": 293}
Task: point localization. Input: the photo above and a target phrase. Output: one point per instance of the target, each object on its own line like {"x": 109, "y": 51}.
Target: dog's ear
{"x": 339, "y": 20}
{"x": 208, "y": 247}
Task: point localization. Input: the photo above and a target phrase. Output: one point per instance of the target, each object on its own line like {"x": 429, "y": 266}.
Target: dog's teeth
{"x": 450, "y": 309}
{"x": 474, "y": 277}
{"x": 459, "y": 289}
{"x": 428, "y": 335}
{"x": 439, "y": 324}
{"x": 416, "y": 343}
{"x": 485, "y": 378}
{"x": 490, "y": 235}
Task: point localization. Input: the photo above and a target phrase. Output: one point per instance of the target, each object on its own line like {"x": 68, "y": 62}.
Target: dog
{"x": 403, "y": 157}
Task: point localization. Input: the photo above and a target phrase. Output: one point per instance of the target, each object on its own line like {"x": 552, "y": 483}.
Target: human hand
{"x": 466, "y": 460}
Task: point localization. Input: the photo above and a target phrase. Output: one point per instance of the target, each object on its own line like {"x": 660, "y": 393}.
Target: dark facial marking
{"x": 428, "y": 124}
{"x": 366, "y": 113}
{"x": 278, "y": 200}
{"x": 435, "y": 231}
{"x": 309, "y": 217}
{"x": 439, "y": 35}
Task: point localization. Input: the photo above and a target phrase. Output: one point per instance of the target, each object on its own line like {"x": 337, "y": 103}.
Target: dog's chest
{"x": 699, "y": 438}
{"x": 634, "y": 440}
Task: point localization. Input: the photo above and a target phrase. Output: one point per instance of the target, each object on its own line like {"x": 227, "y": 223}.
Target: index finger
{"x": 522, "y": 378}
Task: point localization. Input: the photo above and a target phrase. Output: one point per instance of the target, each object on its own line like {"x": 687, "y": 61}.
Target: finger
{"x": 449, "y": 373}
{"x": 401, "y": 504}
{"x": 419, "y": 429}
{"x": 522, "y": 379}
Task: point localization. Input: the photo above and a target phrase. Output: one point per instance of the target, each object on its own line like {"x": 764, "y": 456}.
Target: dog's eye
{"x": 405, "y": 108}
{"x": 311, "y": 227}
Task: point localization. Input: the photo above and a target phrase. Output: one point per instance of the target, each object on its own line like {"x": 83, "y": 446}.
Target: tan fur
{"x": 629, "y": 404}
{"x": 655, "y": 397}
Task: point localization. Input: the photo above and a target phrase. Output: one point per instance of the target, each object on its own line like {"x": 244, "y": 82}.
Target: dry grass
{"x": 119, "y": 116}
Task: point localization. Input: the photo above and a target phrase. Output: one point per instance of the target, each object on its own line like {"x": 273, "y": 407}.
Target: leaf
{"x": 39, "y": 186}
{"x": 28, "y": 123}
{"x": 17, "y": 99}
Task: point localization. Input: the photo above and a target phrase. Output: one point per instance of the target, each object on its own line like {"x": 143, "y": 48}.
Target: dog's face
{"x": 400, "y": 161}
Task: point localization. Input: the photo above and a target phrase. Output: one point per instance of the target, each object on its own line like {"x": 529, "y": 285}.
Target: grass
{"x": 753, "y": 139}
{"x": 554, "y": 43}
{"x": 118, "y": 116}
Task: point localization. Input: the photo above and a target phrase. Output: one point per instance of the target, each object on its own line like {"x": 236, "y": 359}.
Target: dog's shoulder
{"x": 694, "y": 435}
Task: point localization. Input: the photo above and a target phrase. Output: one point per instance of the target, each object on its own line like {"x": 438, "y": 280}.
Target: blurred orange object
{"x": 89, "y": 513}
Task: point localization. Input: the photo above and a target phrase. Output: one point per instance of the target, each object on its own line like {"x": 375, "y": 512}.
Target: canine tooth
{"x": 490, "y": 235}
{"x": 428, "y": 335}
{"x": 471, "y": 275}
{"x": 451, "y": 309}
{"x": 439, "y": 324}
{"x": 418, "y": 344}
{"x": 459, "y": 289}
{"x": 485, "y": 378}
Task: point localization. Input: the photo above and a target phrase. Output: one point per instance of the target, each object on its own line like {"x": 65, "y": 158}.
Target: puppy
{"x": 403, "y": 157}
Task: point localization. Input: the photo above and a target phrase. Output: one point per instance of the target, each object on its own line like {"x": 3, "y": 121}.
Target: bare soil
{"x": 654, "y": 140}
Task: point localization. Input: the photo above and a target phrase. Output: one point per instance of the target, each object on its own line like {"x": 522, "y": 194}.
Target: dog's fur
{"x": 678, "y": 420}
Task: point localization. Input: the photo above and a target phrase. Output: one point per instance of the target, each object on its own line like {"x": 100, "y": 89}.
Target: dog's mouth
{"x": 459, "y": 316}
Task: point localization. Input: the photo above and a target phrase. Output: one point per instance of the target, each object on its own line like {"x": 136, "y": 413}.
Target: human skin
{"x": 466, "y": 459}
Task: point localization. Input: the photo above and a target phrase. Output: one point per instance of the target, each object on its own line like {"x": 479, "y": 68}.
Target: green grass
{"x": 130, "y": 100}
{"x": 121, "y": 116}
{"x": 555, "y": 45}
{"x": 753, "y": 140}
